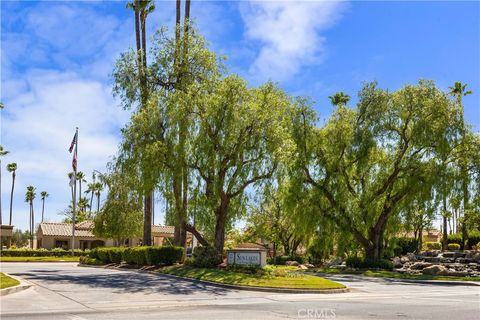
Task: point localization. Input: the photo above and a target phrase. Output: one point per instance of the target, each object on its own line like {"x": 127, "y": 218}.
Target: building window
{"x": 61, "y": 244}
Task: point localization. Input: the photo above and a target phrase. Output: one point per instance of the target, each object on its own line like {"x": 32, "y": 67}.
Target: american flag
{"x": 74, "y": 141}
{"x": 72, "y": 145}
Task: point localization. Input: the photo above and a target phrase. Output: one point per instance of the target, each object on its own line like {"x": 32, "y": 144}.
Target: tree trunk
{"x": 11, "y": 197}
{"x": 147, "y": 219}
{"x": 0, "y": 195}
{"x": 43, "y": 207}
{"x": 221, "y": 215}
{"x": 445, "y": 231}
{"x": 420, "y": 238}
{"x": 98, "y": 202}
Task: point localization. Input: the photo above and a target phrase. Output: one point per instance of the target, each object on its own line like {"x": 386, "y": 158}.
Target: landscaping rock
{"x": 411, "y": 256}
{"x": 476, "y": 257}
{"x": 420, "y": 265}
{"x": 432, "y": 259}
{"x": 292, "y": 263}
{"x": 309, "y": 266}
{"x": 303, "y": 267}
{"x": 333, "y": 262}
{"x": 404, "y": 259}
{"x": 397, "y": 263}
{"x": 448, "y": 254}
{"x": 435, "y": 270}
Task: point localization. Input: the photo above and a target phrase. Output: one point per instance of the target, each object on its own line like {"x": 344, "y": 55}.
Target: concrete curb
{"x": 20, "y": 287}
{"x": 231, "y": 286}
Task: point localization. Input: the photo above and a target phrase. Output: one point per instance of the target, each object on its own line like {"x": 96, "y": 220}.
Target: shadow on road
{"x": 123, "y": 282}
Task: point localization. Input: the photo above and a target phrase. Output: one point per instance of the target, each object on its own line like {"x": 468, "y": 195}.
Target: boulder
{"x": 435, "y": 270}
{"x": 448, "y": 254}
{"x": 292, "y": 263}
{"x": 420, "y": 265}
{"x": 303, "y": 267}
{"x": 333, "y": 262}
{"x": 404, "y": 259}
{"x": 476, "y": 257}
{"x": 411, "y": 256}
{"x": 309, "y": 266}
{"x": 432, "y": 259}
{"x": 397, "y": 262}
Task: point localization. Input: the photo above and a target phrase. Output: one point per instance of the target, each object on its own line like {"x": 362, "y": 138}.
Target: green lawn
{"x": 292, "y": 280}
{"x": 396, "y": 275}
{"x": 41, "y": 259}
{"x": 392, "y": 274}
{"x": 6, "y": 281}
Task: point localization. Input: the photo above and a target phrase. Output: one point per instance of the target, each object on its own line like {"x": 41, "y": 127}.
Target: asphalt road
{"x": 65, "y": 291}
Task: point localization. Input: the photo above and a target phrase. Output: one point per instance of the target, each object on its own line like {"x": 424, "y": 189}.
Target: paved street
{"x": 65, "y": 291}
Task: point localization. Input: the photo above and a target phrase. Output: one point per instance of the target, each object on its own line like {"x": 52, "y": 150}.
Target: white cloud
{"x": 289, "y": 34}
{"x": 37, "y": 129}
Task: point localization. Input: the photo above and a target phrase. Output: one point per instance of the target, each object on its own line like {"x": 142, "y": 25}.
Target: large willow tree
{"x": 367, "y": 162}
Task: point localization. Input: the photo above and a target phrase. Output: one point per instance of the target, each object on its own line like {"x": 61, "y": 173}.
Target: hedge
{"x": 361, "y": 263}
{"x": 433, "y": 245}
{"x": 139, "y": 256}
{"x": 455, "y": 238}
{"x": 164, "y": 255}
{"x": 453, "y": 246}
{"x": 57, "y": 252}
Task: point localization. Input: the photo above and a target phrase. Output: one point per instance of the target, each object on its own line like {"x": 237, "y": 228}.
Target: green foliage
{"x": 135, "y": 256}
{"x": 405, "y": 245}
{"x": 433, "y": 245}
{"x": 166, "y": 255}
{"x": 57, "y": 252}
{"x": 115, "y": 254}
{"x": 453, "y": 246}
{"x": 282, "y": 260}
{"x": 455, "y": 238}
{"x": 205, "y": 257}
{"x": 365, "y": 263}
{"x": 473, "y": 238}
{"x": 90, "y": 261}
{"x": 103, "y": 255}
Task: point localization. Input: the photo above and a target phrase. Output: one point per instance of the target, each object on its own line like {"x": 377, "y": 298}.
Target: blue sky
{"x": 57, "y": 57}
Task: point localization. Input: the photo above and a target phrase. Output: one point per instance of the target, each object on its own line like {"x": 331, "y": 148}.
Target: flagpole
{"x": 74, "y": 191}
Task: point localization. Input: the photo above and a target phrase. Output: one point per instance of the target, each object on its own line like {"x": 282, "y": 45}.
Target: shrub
{"x": 473, "y": 238}
{"x": 433, "y": 245}
{"x": 103, "y": 255}
{"x": 405, "y": 245}
{"x": 116, "y": 254}
{"x": 135, "y": 256}
{"x": 93, "y": 253}
{"x": 205, "y": 257}
{"x": 455, "y": 238}
{"x": 361, "y": 263}
{"x": 57, "y": 252}
{"x": 453, "y": 246}
{"x": 282, "y": 260}
{"x": 166, "y": 255}
{"x": 90, "y": 261}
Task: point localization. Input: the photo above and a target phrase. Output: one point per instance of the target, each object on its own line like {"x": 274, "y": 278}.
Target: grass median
{"x": 290, "y": 280}
{"x": 393, "y": 275}
{"x": 39, "y": 259}
{"x": 7, "y": 282}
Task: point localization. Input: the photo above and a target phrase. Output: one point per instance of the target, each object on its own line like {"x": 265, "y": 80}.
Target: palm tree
{"x": 12, "y": 167}
{"x": 44, "y": 195}
{"x": 339, "y": 98}
{"x": 29, "y": 197}
{"x": 459, "y": 90}
{"x": 91, "y": 190}
{"x": 80, "y": 178}
{"x": 3, "y": 152}
{"x": 83, "y": 204}
{"x": 98, "y": 190}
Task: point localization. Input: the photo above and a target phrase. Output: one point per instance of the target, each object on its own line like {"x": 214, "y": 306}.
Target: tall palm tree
{"x": 98, "y": 190}
{"x": 459, "y": 90}
{"x": 12, "y": 167}
{"x": 44, "y": 195}
{"x": 83, "y": 204}
{"x": 339, "y": 98}
{"x": 3, "y": 152}
{"x": 80, "y": 178}
{"x": 90, "y": 190}
{"x": 29, "y": 197}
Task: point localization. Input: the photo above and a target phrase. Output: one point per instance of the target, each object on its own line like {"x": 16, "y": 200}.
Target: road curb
{"x": 230, "y": 286}
{"x": 20, "y": 287}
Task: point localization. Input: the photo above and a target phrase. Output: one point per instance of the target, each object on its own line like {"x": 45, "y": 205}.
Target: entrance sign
{"x": 247, "y": 257}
